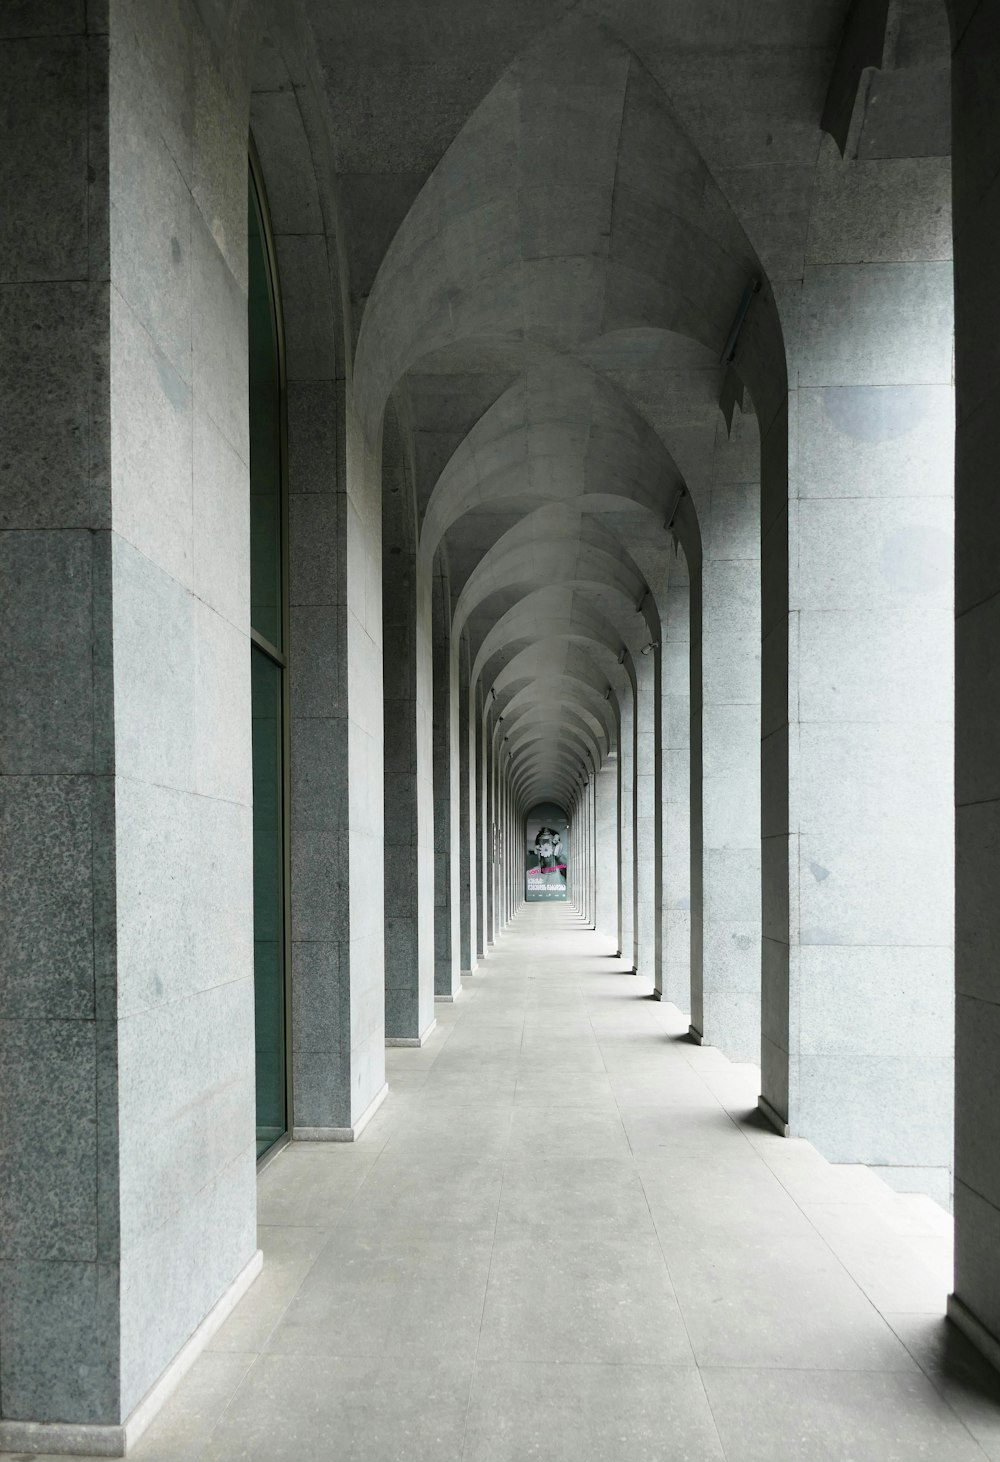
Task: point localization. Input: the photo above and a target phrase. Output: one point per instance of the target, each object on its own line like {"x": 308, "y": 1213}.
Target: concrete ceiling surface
{"x": 553, "y": 212}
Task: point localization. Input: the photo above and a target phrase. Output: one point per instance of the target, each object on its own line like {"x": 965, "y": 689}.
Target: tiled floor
{"x": 567, "y": 1236}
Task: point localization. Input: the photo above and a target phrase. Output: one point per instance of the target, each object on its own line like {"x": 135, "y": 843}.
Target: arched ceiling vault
{"x": 548, "y": 313}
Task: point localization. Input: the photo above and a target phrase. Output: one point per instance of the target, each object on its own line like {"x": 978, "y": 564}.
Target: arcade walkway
{"x": 565, "y": 1236}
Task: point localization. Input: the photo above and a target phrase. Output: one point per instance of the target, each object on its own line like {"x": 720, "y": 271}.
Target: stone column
{"x": 409, "y": 851}
{"x": 975, "y": 1304}
{"x": 126, "y": 893}
{"x": 674, "y": 983}
{"x": 482, "y": 830}
{"x": 466, "y": 813}
{"x": 645, "y": 819}
{"x": 593, "y": 847}
{"x": 447, "y": 975}
{"x": 857, "y": 742}
{"x": 489, "y": 876}
{"x": 508, "y": 823}
{"x": 725, "y": 751}
{"x": 572, "y": 881}
{"x": 606, "y": 847}
{"x": 626, "y": 828}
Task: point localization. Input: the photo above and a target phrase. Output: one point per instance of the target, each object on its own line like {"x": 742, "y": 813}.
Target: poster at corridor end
{"x": 547, "y": 852}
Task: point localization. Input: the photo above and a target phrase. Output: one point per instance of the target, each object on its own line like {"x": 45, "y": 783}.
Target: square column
{"x": 645, "y": 819}
{"x": 674, "y": 982}
{"x": 126, "y": 932}
{"x": 725, "y": 751}
{"x": 975, "y": 1304}
{"x": 857, "y": 653}
{"x": 626, "y": 828}
{"x": 606, "y": 847}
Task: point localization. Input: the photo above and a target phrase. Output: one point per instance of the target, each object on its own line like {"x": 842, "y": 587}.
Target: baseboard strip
{"x": 64, "y": 1438}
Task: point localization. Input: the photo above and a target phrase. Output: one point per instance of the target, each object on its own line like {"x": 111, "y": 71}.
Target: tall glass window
{"x": 268, "y": 616}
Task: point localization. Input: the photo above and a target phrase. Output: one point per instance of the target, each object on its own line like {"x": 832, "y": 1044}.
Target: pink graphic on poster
{"x": 546, "y": 854}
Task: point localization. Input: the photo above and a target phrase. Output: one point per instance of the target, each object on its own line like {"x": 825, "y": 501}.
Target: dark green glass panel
{"x": 268, "y": 897}
{"x": 266, "y": 617}
{"x": 265, "y": 439}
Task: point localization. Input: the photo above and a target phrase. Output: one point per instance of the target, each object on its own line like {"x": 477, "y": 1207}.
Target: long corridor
{"x": 566, "y": 1235}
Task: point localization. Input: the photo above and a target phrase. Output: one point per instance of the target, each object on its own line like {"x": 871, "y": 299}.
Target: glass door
{"x": 268, "y": 635}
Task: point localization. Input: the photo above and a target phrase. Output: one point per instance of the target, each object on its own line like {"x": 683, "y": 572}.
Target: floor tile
{"x": 387, "y": 1295}
{"x": 289, "y": 1255}
{"x": 575, "y": 1197}
{"x": 958, "y": 1371}
{"x": 194, "y": 1409}
{"x": 588, "y": 1413}
{"x": 563, "y": 1132}
{"x": 565, "y": 1207}
{"x": 822, "y": 1416}
{"x": 311, "y": 1408}
{"x": 573, "y": 1298}
{"x": 406, "y": 1193}
{"x": 781, "y": 1301}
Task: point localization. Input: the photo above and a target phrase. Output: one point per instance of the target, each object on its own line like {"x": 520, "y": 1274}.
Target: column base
{"x": 694, "y": 1034}
{"x": 411, "y": 1041}
{"x": 448, "y": 999}
{"x": 776, "y": 1120}
{"x": 984, "y": 1340}
{"x": 342, "y": 1134}
{"x": 67, "y": 1438}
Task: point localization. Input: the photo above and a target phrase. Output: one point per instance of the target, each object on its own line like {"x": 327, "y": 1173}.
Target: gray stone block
{"x": 313, "y": 437}
{"x": 54, "y": 428}
{"x": 46, "y": 928}
{"x": 977, "y": 1028}
{"x": 58, "y": 1332}
{"x": 319, "y": 885}
{"x": 317, "y": 637}
{"x": 152, "y": 74}
{"x": 46, "y": 664}
{"x": 402, "y": 1012}
{"x": 222, "y": 708}
{"x": 178, "y": 1133}
{"x": 321, "y": 1004}
{"x": 321, "y": 1081}
{"x": 319, "y": 774}
{"x": 163, "y": 1296}
{"x": 878, "y": 1110}
{"x": 220, "y": 573}
{"x": 151, "y": 238}
{"x": 48, "y": 1073}
{"x": 43, "y": 167}
{"x": 23, "y": 18}
{"x": 313, "y": 527}
{"x": 218, "y": 338}
{"x": 918, "y": 298}
{"x": 977, "y": 1242}
{"x": 184, "y": 894}
{"x": 292, "y": 193}
{"x": 977, "y": 912}
{"x": 151, "y": 445}
{"x": 310, "y": 317}
{"x": 219, "y": 146}
{"x": 155, "y": 672}
{"x": 888, "y": 211}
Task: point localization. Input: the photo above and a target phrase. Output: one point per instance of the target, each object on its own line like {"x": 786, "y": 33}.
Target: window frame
{"x": 278, "y": 656}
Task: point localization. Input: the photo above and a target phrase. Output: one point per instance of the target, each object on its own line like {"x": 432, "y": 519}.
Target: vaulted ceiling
{"x": 553, "y": 215}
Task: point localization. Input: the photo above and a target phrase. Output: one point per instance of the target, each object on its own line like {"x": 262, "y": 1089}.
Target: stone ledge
{"x": 411, "y": 1041}
{"x": 973, "y": 1329}
{"x": 67, "y": 1438}
{"x": 342, "y": 1134}
{"x": 776, "y": 1120}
